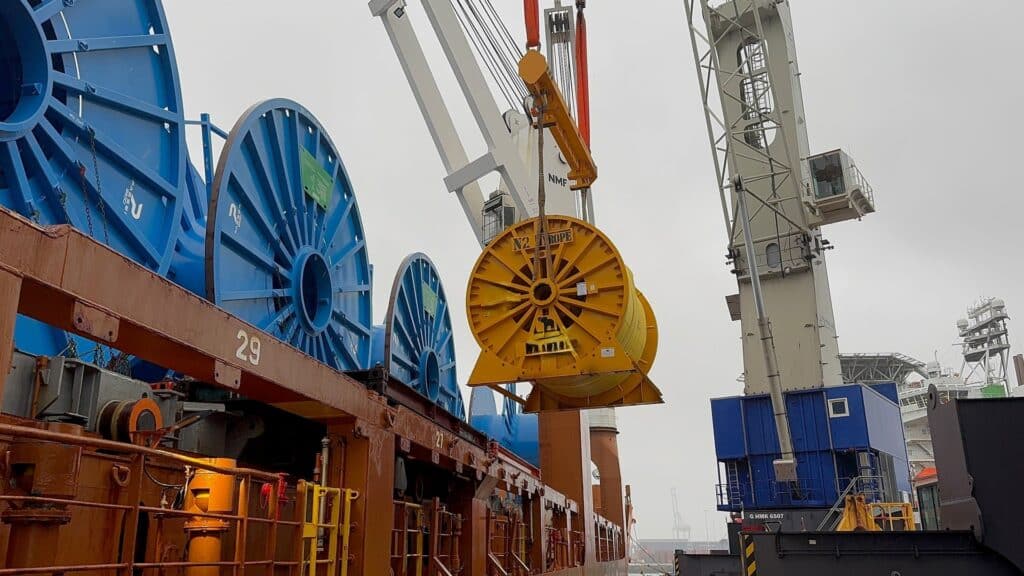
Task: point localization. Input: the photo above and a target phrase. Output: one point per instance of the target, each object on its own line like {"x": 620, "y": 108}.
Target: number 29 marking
{"x": 249, "y": 348}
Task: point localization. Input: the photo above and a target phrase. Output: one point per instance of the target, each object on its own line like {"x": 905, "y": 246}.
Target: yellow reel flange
{"x": 574, "y": 325}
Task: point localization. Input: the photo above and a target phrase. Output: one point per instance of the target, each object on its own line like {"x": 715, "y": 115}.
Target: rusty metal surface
{"x": 604, "y": 451}
{"x": 61, "y": 277}
{"x": 62, "y": 270}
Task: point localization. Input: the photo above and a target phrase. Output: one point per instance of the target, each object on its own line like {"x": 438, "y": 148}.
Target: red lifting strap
{"x": 582, "y": 76}
{"x": 531, "y": 11}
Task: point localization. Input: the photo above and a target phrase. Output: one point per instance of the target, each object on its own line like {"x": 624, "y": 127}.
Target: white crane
{"x": 511, "y": 148}
{"x": 775, "y": 197}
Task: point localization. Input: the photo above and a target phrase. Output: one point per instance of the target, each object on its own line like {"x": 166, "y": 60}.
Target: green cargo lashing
{"x": 316, "y": 182}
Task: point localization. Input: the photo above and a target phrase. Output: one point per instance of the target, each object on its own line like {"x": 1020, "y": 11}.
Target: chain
{"x": 85, "y": 199}
{"x": 99, "y": 353}
{"x": 99, "y": 187}
{"x": 71, "y": 349}
{"x": 120, "y": 363}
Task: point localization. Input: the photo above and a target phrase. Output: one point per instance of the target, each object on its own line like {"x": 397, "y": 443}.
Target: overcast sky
{"x": 925, "y": 94}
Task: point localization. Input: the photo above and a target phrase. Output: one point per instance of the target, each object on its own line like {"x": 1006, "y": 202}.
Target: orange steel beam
{"x": 565, "y": 462}
{"x": 533, "y": 69}
{"x": 604, "y": 451}
{"x": 10, "y": 290}
{"x": 367, "y": 465}
{"x": 72, "y": 282}
{"x": 62, "y": 277}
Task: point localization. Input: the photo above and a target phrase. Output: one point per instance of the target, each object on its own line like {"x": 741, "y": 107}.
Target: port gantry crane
{"x": 534, "y": 180}
{"x": 775, "y": 198}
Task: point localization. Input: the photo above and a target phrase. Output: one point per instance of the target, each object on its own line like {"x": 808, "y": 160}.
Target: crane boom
{"x": 502, "y": 154}
{"x": 533, "y": 69}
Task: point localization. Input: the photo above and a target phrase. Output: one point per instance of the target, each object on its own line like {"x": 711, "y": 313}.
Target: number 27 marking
{"x": 249, "y": 348}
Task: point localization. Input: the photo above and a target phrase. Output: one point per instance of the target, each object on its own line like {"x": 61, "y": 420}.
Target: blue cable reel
{"x": 416, "y": 343}
{"x": 91, "y": 130}
{"x": 285, "y": 247}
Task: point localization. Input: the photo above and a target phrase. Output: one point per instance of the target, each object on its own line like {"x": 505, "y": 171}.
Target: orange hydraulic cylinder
{"x": 531, "y": 12}
{"x": 208, "y": 493}
{"x": 46, "y": 470}
{"x": 582, "y": 75}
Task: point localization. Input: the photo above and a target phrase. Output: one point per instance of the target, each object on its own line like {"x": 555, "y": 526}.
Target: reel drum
{"x": 416, "y": 343}
{"x": 285, "y": 247}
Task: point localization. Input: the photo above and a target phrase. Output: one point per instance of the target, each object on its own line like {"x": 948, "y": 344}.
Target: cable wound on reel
{"x": 577, "y": 327}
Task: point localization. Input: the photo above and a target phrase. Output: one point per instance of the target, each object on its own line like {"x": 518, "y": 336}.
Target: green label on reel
{"x": 316, "y": 182}
{"x": 429, "y": 300}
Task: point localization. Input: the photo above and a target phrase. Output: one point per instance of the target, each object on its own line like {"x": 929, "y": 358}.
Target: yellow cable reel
{"x": 575, "y": 325}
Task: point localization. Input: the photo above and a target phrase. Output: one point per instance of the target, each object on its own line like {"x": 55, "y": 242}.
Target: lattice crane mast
{"x": 775, "y": 198}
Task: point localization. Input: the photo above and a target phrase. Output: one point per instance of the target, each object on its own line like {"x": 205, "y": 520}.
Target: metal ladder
{"x": 732, "y": 480}
{"x": 326, "y": 528}
{"x": 857, "y": 485}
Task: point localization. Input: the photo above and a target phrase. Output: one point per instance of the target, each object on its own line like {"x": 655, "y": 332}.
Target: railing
{"x": 425, "y": 540}
{"x": 558, "y": 549}
{"x": 805, "y": 491}
{"x": 408, "y": 540}
{"x": 579, "y": 551}
{"x": 865, "y": 485}
{"x": 893, "y": 516}
{"x": 507, "y": 543}
{"x": 132, "y": 473}
{"x": 607, "y": 541}
{"x": 731, "y": 495}
{"x": 445, "y": 532}
{"x": 327, "y": 522}
{"x": 854, "y": 179}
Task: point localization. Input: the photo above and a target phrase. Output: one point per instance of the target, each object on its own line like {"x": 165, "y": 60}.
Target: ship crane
{"x": 508, "y": 150}
{"x": 775, "y": 198}
{"x": 540, "y": 330}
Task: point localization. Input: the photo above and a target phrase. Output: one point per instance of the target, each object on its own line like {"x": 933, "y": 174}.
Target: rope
{"x": 495, "y": 47}
{"x": 541, "y": 255}
{"x": 650, "y": 556}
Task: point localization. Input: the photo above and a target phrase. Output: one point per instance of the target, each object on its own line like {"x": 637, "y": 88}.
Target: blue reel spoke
{"x": 340, "y": 256}
{"x": 271, "y": 262}
{"x": 107, "y": 146}
{"x": 341, "y": 349}
{"x": 42, "y": 166}
{"x": 113, "y": 98}
{"x": 273, "y": 193}
{"x": 79, "y": 45}
{"x": 47, "y": 10}
{"x": 350, "y": 323}
{"x": 11, "y": 163}
{"x": 242, "y": 188}
{"x": 251, "y": 254}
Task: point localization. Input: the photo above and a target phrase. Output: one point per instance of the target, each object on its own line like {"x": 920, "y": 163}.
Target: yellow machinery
{"x": 328, "y": 514}
{"x": 565, "y": 316}
{"x": 533, "y": 69}
{"x": 861, "y": 516}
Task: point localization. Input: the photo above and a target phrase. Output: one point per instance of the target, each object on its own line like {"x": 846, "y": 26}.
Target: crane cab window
{"x": 838, "y": 408}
